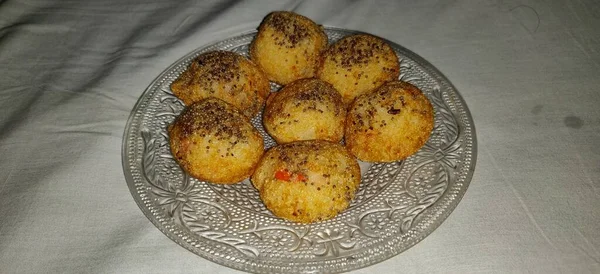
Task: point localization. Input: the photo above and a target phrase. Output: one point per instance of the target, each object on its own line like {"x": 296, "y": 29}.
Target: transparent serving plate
{"x": 398, "y": 204}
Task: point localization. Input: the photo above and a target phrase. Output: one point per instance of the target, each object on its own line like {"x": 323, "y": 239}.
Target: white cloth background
{"x": 71, "y": 71}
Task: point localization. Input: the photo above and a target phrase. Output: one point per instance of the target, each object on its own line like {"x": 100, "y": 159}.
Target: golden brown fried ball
{"x": 225, "y": 75}
{"x": 307, "y": 181}
{"x": 389, "y": 124}
{"x": 358, "y": 64}
{"x": 305, "y": 109}
{"x": 212, "y": 141}
{"x": 287, "y": 46}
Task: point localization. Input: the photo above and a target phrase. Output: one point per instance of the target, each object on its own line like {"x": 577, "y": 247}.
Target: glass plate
{"x": 398, "y": 204}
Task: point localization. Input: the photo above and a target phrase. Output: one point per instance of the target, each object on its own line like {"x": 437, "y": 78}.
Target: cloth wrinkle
{"x": 521, "y": 202}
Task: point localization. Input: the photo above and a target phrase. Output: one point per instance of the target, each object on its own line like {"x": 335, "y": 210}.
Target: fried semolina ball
{"x": 287, "y": 46}
{"x": 305, "y": 109}
{"x": 307, "y": 181}
{"x": 358, "y": 64}
{"x": 389, "y": 124}
{"x": 212, "y": 141}
{"x": 226, "y": 75}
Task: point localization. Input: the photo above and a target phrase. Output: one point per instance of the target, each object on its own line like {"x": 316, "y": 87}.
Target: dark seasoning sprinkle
{"x": 215, "y": 118}
{"x": 291, "y": 26}
{"x": 310, "y": 96}
{"x": 218, "y": 66}
{"x": 356, "y": 50}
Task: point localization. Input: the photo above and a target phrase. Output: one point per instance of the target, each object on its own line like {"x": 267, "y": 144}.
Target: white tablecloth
{"x": 71, "y": 71}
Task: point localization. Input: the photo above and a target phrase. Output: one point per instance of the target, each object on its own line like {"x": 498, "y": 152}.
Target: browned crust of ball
{"x": 226, "y": 75}
{"x": 303, "y": 110}
{"x": 288, "y": 46}
{"x": 389, "y": 124}
{"x": 205, "y": 138}
{"x": 358, "y": 64}
{"x": 332, "y": 179}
